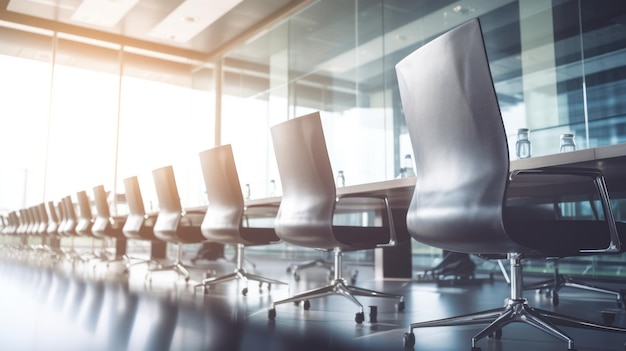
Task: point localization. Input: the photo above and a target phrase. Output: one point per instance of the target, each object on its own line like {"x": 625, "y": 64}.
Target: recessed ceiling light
{"x": 192, "y": 17}
{"x": 103, "y": 13}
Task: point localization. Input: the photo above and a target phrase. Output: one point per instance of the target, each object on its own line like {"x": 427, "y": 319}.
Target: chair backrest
{"x": 85, "y": 216}
{"x": 33, "y": 220}
{"x": 170, "y": 209}
{"x": 14, "y": 221}
{"x": 62, "y": 217}
{"x": 70, "y": 216}
{"x": 459, "y": 143}
{"x": 222, "y": 220}
{"x": 136, "y": 210}
{"x": 43, "y": 219}
{"x": 24, "y": 221}
{"x": 53, "y": 218}
{"x": 305, "y": 215}
{"x": 101, "y": 221}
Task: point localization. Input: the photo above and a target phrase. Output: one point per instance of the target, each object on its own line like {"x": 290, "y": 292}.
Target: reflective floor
{"x": 92, "y": 307}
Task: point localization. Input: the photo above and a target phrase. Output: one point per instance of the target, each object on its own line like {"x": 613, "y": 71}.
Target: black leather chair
{"x": 465, "y": 198}
{"x": 85, "y": 218}
{"x": 225, "y": 221}
{"x": 305, "y": 216}
{"x": 139, "y": 225}
{"x": 84, "y": 223}
{"x": 68, "y": 227}
{"x": 52, "y": 229}
{"x": 108, "y": 227}
{"x": 173, "y": 224}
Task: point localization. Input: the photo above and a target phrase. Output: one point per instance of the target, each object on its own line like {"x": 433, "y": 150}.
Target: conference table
{"x": 396, "y": 262}
{"x": 610, "y": 160}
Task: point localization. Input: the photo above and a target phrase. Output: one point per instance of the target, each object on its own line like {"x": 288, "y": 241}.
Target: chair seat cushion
{"x": 360, "y": 238}
{"x": 183, "y": 234}
{"x": 561, "y": 237}
{"x": 258, "y": 236}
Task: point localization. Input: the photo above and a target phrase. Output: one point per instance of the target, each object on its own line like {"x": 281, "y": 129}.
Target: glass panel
{"x": 83, "y": 119}
{"x": 165, "y": 122}
{"x": 25, "y": 91}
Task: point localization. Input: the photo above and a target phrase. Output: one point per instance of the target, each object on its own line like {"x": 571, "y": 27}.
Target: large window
{"x": 557, "y": 67}
{"x": 77, "y": 114}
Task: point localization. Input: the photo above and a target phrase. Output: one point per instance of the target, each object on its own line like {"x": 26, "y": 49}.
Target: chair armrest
{"x": 245, "y": 218}
{"x": 603, "y": 192}
{"x": 193, "y": 212}
{"x": 192, "y": 217}
{"x": 393, "y": 240}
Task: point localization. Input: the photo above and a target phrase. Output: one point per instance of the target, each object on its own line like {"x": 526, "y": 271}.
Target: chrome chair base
{"x": 515, "y": 310}
{"x": 551, "y": 287}
{"x": 178, "y": 267}
{"x": 241, "y": 274}
{"x": 337, "y": 286}
{"x": 295, "y": 268}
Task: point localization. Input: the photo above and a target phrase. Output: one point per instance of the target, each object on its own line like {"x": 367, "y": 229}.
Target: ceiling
{"x": 163, "y": 26}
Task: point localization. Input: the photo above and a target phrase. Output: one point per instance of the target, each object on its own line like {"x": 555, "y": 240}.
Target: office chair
{"x": 68, "y": 228}
{"x": 106, "y": 226}
{"x": 84, "y": 223}
{"x": 225, "y": 221}
{"x": 139, "y": 225}
{"x": 41, "y": 230}
{"x": 52, "y": 230}
{"x": 173, "y": 224}
{"x": 465, "y": 197}
{"x": 305, "y": 215}
{"x": 13, "y": 222}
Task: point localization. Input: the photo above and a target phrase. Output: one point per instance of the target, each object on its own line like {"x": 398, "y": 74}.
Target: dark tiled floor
{"x": 44, "y": 309}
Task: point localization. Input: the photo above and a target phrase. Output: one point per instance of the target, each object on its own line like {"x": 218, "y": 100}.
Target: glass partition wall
{"x": 110, "y": 112}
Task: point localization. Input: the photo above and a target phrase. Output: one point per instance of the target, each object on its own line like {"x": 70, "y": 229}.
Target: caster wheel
{"x": 548, "y": 294}
{"x": 296, "y": 277}
{"x": 409, "y": 340}
{"x": 555, "y": 299}
{"x": 353, "y": 281}
{"x": 297, "y": 303}
{"x": 269, "y": 287}
{"x": 288, "y": 269}
{"x": 359, "y": 317}
{"x": 271, "y": 314}
{"x": 307, "y": 305}
{"x": 400, "y": 306}
{"x": 244, "y": 291}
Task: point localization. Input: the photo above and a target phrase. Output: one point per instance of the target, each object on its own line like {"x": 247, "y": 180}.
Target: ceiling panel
{"x": 134, "y": 28}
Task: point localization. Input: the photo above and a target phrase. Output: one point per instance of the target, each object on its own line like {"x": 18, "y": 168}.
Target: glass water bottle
{"x": 522, "y": 146}
{"x": 567, "y": 142}
{"x": 341, "y": 179}
{"x": 408, "y": 166}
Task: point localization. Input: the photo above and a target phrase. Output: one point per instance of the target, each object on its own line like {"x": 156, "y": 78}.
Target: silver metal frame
{"x": 516, "y": 309}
